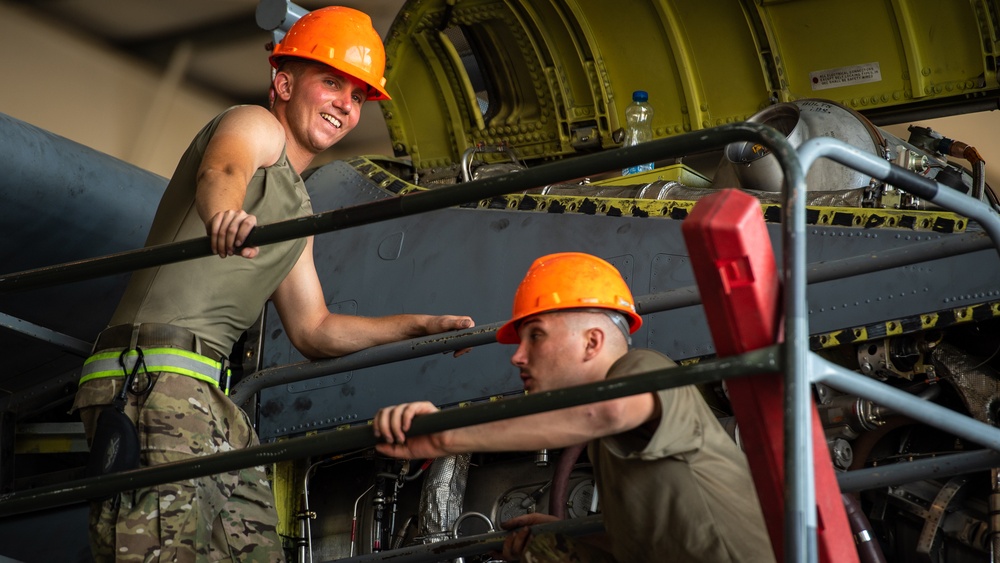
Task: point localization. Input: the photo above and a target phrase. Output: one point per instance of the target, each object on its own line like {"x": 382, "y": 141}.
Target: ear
{"x": 594, "y": 341}
{"x": 282, "y": 85}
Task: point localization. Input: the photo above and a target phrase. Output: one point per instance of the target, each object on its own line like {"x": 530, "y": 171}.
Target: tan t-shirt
{"x": 216, "y": 298}
{"x": 681, "y": 493}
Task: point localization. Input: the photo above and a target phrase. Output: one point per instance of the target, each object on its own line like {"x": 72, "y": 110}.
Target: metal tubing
{"x": 800, "y": 542}
{"x": 899, "y": 177}
{"x": 476, "y": 545}
{"x": 467, "y": 164}
{"x": 798, "y": 421}
{"x": 842, "y": 379}
{"x": 410, "y": 204}
{"x": 908, "y": 472}
{"x": 368, "y": 357}
{"x": 765, "y": 360}
{"x": 63, "y": 341}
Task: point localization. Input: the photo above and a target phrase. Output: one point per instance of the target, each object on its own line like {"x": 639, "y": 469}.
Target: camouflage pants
{"x": 226, "y": 517}
{"x": 557, "y": 548}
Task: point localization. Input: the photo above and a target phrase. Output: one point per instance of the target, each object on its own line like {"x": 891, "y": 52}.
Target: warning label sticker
{"x": 845, "y": 76}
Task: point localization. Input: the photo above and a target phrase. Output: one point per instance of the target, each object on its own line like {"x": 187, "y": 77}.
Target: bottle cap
{"x": 640, "y": 96}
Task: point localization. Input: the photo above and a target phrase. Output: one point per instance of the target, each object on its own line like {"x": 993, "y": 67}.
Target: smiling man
{"x": 672, "y": 484}
{"x": 181, "y": 320}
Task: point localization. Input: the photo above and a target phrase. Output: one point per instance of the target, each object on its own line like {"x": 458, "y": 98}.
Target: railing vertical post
{"x": 800, "y": 517}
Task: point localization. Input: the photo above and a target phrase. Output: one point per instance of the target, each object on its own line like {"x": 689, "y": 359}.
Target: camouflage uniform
{"x": 557, "y": 548}
{"x": 226, "y": 517}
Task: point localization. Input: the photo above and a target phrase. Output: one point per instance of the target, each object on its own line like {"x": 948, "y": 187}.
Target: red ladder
{"x": 734, "y": 267}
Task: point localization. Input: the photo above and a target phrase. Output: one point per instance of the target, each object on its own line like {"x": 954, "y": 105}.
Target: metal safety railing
{"x": 395, "y": 207}
{"x": 359, "y": 437}
{"x": 792, "y": 358}
{"x": 800, "y": 362}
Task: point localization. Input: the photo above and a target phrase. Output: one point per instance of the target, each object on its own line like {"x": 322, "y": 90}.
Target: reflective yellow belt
{"x": 170, "y": 360}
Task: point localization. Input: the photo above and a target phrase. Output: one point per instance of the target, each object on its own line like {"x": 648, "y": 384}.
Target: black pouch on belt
{"x": 116, "y": 444}
{"x": 116, "y": 441}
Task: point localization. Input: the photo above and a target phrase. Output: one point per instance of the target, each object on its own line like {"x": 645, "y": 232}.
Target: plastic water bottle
{"x": 638, "y": 128}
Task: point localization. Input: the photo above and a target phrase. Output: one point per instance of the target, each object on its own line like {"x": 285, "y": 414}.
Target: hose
{"x": 400, "y": 537}
{"x": 560, "y": 479}
{"x": 994, "y": 515}
{"x": 354, "y": 519}
{"x": 869, "y": 550}
{"x": 959, "y": 149}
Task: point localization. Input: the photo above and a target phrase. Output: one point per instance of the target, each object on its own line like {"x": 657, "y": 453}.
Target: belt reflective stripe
{"x": 169, "y": 360}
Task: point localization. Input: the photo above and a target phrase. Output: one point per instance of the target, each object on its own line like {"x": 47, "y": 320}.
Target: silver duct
{"x": 751, "y": 166}
{"x": 977, "y": 383}
{"x": 442, "y": 497}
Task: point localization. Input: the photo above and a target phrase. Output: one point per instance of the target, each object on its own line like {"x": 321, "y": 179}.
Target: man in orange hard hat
{"x": 181, "y": 320}
{"x": 672, "y": 484}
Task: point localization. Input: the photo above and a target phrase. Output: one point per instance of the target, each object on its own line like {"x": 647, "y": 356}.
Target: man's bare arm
{"x": 552, "y": 429}
{"x": 318, "y": 333}
{"x": 246, "y": 139}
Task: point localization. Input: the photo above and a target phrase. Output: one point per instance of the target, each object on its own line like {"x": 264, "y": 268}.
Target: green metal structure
{"x": 551, "y": 78}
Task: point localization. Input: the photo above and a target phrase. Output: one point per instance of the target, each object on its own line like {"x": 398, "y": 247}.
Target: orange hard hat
{"x": 569, "y": 280}
{"x": 342, "y": 38}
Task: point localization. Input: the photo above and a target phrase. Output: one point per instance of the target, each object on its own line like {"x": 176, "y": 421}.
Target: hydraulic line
{"x": 959, "y": 149}
{"x": 354, "y": 518}
{"x": 869, "y": 550}
{"x": 560, "y": 479}
{"x": 397, "y": 540}
{"x": 463, "y": 517}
